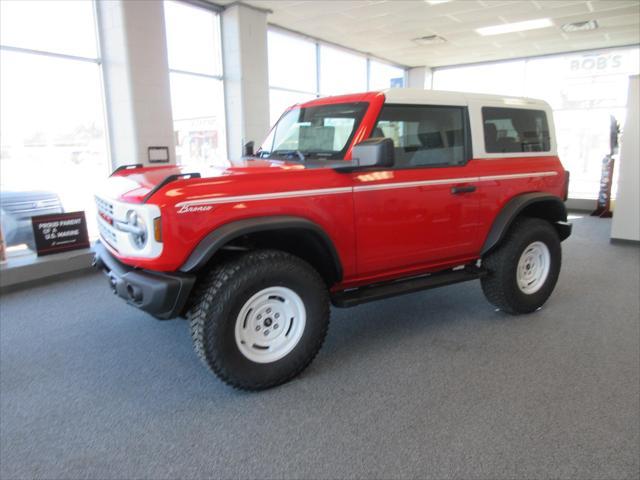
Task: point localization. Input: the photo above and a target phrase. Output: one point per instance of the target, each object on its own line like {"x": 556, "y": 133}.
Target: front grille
{"x": 104, "y": 206}
{"x": 107, "y": 234}
{"x": 105, "y": 221}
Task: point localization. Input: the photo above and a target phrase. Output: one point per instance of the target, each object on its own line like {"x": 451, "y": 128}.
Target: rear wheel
{"x": 260, "y": 319}
{"x": 524, "y": 269}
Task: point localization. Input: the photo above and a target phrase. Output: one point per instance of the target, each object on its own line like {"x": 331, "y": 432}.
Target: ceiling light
{"x": 515, "y": 27}
{"x": 436, "y": 2}
{"x": 579, "y": 26}
{"x": 429, "y": 40}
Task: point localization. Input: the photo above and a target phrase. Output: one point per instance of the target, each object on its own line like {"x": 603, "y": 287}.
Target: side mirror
{"x": 247, "y": 150}
{"x": 374, "y": 152}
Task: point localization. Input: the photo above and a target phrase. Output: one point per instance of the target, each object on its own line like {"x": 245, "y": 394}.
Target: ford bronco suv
{"x": 350, "y": 199}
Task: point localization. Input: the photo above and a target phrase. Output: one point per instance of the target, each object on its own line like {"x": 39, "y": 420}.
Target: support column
{"x": 244, "y": 55}
{"x": 626, "y": 214}
{"x": 420, "y": 77}
{"x": 136, "y": 79}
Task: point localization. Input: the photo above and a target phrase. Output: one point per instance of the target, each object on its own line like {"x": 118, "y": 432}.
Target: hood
{"x": 136, "y": 185}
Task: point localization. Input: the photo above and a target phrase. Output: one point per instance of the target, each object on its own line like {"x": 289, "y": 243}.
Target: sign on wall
{"x": 158, "y": 154}
{"x": 60, "y": 232}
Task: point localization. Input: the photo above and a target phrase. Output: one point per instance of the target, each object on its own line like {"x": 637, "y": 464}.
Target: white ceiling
{"x": 385, "y": 28}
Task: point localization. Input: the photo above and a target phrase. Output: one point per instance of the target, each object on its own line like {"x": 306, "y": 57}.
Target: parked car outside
{"x": 16, "y": 210}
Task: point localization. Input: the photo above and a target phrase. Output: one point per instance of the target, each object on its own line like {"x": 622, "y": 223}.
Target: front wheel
{"x": 260, "y": 319}
{"x": 524, "y": 269}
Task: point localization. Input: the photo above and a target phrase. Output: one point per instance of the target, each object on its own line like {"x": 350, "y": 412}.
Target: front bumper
{"x": 163, "y": 295}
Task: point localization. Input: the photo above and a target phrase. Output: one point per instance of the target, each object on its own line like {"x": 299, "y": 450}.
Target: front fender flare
{"x": 222, "y": 235}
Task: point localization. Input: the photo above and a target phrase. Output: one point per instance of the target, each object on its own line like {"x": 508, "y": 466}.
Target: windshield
{"x": 322, "y": 131}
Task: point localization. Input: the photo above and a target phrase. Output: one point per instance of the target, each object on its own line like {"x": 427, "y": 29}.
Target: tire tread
{"x": 217, "y": 289}
{"x": 496, "y": 286}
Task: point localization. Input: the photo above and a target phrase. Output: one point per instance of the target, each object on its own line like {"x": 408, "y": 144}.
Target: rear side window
{"x": 425, "y": 135}
{"x": 511, "y": 130}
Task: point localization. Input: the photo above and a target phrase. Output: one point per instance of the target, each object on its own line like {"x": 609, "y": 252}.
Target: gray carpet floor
{"x": 430, "y": 385}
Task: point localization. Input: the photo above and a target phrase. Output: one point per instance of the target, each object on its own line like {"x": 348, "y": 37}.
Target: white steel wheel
{"x": 533, "y": 267}
{"x": 270, "y": 324}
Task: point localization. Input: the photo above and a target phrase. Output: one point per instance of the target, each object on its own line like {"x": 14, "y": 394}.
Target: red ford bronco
{"x": 350, "y": 199}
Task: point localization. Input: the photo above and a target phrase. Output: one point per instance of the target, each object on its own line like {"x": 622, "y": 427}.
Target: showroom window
{"x": 320, "y": 70}
{"x": 53, "y": 148}
{"x": 197, "y": 90}
{"x": 586, "y": 91}
{"x": 341, "y": 71}
{"x": 383, "y": 75}
{"x": 287, "y": 85}
{"x": 424, "y": 136}
{"x": 499, "y": 78}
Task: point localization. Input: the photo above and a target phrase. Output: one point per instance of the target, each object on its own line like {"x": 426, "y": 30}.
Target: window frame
{"x": 211, "y": 9}
{"x": 72, "y": 58}
{"x": 214, "y": 11}
{"x": 466, "y": 125}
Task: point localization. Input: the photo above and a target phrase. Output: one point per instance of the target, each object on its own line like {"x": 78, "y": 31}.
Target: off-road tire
{"x": 223, "y": 292}
{"x": 500, "y": 285}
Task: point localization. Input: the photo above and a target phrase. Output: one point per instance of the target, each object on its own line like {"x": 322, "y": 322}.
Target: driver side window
{"x": 425, "y": 135}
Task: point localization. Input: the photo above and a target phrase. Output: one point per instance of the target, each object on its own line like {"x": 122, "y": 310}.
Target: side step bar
{"x": 350, "y": 298}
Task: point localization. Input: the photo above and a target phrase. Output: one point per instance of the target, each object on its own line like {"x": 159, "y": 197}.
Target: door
{"x": 424, "y": 211}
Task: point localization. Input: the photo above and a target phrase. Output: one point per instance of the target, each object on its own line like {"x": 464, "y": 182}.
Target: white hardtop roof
{"x": 421, "y": 96}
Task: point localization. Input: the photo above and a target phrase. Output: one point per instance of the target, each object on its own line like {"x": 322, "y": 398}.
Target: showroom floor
{"x": 432, "y": 385}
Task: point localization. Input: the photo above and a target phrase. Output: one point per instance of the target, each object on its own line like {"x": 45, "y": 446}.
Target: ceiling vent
{"x": 579, "y": 26}
{"x": 429, "y": 40}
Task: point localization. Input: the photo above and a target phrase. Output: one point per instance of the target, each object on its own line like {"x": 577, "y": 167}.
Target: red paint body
{"x": 378, "y": 234}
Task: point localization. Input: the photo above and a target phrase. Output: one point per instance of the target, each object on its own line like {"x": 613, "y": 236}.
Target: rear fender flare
{"x": 550, "y": 208}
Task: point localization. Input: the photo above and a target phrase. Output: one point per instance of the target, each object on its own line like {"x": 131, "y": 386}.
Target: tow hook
{"x": 135, "y": 293}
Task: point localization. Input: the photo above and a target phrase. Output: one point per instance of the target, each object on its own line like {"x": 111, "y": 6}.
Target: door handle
{"x": 463, "y": 189}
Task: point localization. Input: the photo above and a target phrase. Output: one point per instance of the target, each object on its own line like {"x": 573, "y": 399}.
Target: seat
{"x": 508, "y": 144}
{"x": 377, "y": 133}
{"x": 491, "y": 137}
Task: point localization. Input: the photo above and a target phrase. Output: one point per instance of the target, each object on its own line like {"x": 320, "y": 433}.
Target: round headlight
{"x": 138, "y": 229}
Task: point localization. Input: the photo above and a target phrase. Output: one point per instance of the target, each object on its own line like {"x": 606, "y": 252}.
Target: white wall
{"x": 626, "y": 217}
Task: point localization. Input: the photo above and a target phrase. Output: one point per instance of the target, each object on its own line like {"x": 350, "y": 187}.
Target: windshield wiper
{"x": 320, "y": 153}
{"x": 298, "y": 153}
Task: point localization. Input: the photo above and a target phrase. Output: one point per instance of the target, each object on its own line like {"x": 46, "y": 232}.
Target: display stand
{"x": 603, "y": 205}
